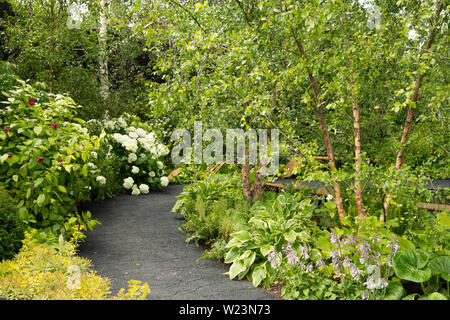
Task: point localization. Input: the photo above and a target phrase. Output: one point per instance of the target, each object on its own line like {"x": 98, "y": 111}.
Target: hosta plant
{"x": 278, "y": 223}
{"x": 431, "y": 271}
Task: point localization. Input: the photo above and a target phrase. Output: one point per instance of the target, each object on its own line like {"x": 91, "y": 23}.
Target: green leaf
{"x": 233, "y": 243}
{"x": 410, "y": 265}
{"x": 40, "y": 200}
{"x": 248, "y": 261}
{"x": 405, "y": 244}
{"x": 232, "y": 255}
{"x": 38, "y": 182}
{"x": 62, "y": 189}
{"x": 437, "y": 296}
{"x": 37, "y": 130}
{"x": 410, "y": 296}
{"x": 266, "y": 249}
{"x": 441, "y": 265}
{"x": 394, "y": 291}
{"x": 290, "y": 236}
{"x": 242, "y": 235}
{"x": 259, "y": 274}
{"x": 3, "y": 158}
{"x": 236, "y": 268}
{"x": 85, "y": 170}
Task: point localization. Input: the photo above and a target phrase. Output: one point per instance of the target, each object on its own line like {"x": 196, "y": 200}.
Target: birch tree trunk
{"x": 318, "y": 110}
{"x": 245, "y": 178}
{"x": 414, "y": 99}
{"x": 102, "y": 39}
{"x": 357, "y": 137}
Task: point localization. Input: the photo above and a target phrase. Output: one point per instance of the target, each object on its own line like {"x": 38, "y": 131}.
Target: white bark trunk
{"x": 102, "y": 38}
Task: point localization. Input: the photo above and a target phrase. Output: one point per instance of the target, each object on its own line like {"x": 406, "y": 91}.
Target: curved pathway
{"x": 139, "y": 239}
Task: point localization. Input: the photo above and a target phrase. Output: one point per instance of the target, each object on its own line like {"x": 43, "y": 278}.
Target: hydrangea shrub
{"x": 137, "y": 149}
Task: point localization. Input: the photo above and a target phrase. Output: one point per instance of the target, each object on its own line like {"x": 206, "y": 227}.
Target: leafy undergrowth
{"x": 55, "y": 272}
{"x": 287, "y": 242}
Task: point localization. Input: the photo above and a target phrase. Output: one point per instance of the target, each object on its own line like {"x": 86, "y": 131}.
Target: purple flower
{"x": 292, "y": 257}
{"x": 370, "y": 284}
{"x": 395, "y": 248}
{"x": 320, "y": 263}
{"x": 383, "y": 283}
{"x": 334, "y": 237}
{"x": 334, "y": 254}
{"x": 376, "y": 255}
{"x": 274, "y": 259}
{"x": 355, "y": 272}
{"x": 305, "y": 252}
{"x": 347, "y": 262}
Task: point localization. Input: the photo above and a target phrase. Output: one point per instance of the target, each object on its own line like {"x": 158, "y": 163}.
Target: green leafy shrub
{"x": 8, "y": 78}
{"x": 275, "y": 223}
{"x": 11, "y": 227}
{"x": 46, "y": 158}
{"x": 46, "y": 272}
{"x": 208, "y": 207}
{"x": 434, "y": 233}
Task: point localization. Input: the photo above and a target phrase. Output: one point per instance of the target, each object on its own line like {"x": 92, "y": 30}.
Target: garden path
{"x": 139, "y": 239}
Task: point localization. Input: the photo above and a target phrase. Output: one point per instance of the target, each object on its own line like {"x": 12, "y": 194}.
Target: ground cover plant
{"x": 283, "y": 239}
{"x": 55, "y": 272}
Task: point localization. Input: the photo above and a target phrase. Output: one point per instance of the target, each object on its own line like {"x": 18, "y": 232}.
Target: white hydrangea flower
{"x": 147, "y": 147}
{"x": 164, "y": 181}
{"x": 122, "y": 122}
{"x": 135, "y": 170}
{"x": 101, "y": 179}
{"x": 91, "y": 165}
{"x": 133, "y": 135}
{"x": 109, "y": 124}
{"x": 130, "y": 129}
{"x": 132, "y": 157}
{"x": 135, "y": 192}
{"x": 118, "y": 137}
{"x": 329, "y": 197}
{"x": 150, "y": 138}
{"x": 160, "y": 165}
{"x": 144, "y": 188}
{"x": 141, "y": 132}
{"x": 131, "y": 145}
{"x": 152, "y": 174}
{"x": 128, "y": 183}
{"x": 94, "y": 154}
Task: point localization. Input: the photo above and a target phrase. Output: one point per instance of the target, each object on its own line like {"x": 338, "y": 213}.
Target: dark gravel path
{"x": 138, "y": 239}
